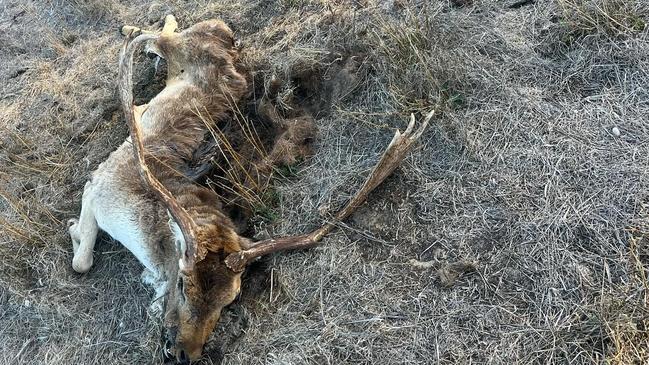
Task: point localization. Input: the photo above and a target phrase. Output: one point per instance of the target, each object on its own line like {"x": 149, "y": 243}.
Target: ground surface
{"x": 515, "y": 233}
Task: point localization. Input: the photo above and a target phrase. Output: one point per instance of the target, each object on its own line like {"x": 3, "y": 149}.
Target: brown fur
{"x": 202, "y": 87}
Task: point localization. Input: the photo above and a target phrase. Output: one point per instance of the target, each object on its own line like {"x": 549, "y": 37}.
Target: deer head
{"x": 196, "y": 295}
{"x": 200, "y": 285}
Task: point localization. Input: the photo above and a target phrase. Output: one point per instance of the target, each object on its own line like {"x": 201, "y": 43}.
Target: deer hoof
{"x": 80, "y": 265}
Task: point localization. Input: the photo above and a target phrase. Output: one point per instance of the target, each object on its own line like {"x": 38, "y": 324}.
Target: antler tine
{"x": 398, "y": 148}
{"x": 133, "y": 116}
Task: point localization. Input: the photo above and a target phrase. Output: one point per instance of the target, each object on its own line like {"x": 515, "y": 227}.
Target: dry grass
{"x": 614, "y": 17}
{"x": 517, "y": 233}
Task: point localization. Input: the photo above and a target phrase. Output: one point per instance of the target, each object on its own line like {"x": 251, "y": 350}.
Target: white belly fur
{"x": 116, "y": 211}
{"x": 122, "y": 227}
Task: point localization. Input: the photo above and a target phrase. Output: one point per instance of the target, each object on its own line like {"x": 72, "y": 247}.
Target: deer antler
{"x": 400, "y": 145}
{"x": 133, "y": 115}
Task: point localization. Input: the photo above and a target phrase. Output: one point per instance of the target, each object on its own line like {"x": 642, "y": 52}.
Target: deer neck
{"x": 215, "y": 232}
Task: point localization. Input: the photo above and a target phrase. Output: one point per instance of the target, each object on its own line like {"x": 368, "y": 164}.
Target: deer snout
{"x": 182, "y": 353}
{"x": 82, "y": 263}
{"x": 181, "y": 357}
{"x": 188, "y": 352}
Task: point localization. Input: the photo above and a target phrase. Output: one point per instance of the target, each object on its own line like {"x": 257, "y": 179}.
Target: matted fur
{"x": 202, "y": 87}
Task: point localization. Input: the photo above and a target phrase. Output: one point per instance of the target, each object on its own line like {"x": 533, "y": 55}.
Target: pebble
{"x": 616, "y": 131}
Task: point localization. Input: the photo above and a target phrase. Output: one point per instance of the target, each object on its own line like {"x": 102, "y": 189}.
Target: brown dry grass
{"x": 517, "y": 232}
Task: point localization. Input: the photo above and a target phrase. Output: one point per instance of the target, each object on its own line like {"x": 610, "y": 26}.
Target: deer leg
{"x": 139, "y": 110}
{"x": 171, "y": 25}
{"x": 128, "y": 30}
{"x": 397, "y": 150}
{"x": 84, "y": 234}
{"x": 73, "y": 229}
{"x": 160, "y": 286}
{"x": 157, "y": 303}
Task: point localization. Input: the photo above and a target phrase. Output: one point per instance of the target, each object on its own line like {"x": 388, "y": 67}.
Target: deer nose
{"x": 169, "y": 352}
{"x": 182, "y": 357}
{"x": 186, "y": 354}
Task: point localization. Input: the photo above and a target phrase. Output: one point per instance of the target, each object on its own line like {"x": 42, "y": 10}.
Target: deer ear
{"x": 177, "y": 234}
{"x": 232, "y": 242}
{"x": 179, "y": 242}
{"x": 226, "y": 241}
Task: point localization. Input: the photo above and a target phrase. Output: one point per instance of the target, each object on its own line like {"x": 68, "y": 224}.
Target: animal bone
{"x": 398, "y": 148}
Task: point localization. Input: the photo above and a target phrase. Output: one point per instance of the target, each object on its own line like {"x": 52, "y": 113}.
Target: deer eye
{"x": 181, "y": 288}
{"x": 178, "y": 246}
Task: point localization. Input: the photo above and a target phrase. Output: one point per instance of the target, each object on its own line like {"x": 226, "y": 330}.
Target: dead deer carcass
{"x": 176, "y": 228}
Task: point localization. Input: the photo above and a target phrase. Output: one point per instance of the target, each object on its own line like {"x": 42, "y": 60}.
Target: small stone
{"x": 616, "y": 131}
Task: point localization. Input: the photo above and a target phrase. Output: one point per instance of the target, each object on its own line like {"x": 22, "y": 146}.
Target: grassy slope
{"x": 521, "y": 181}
